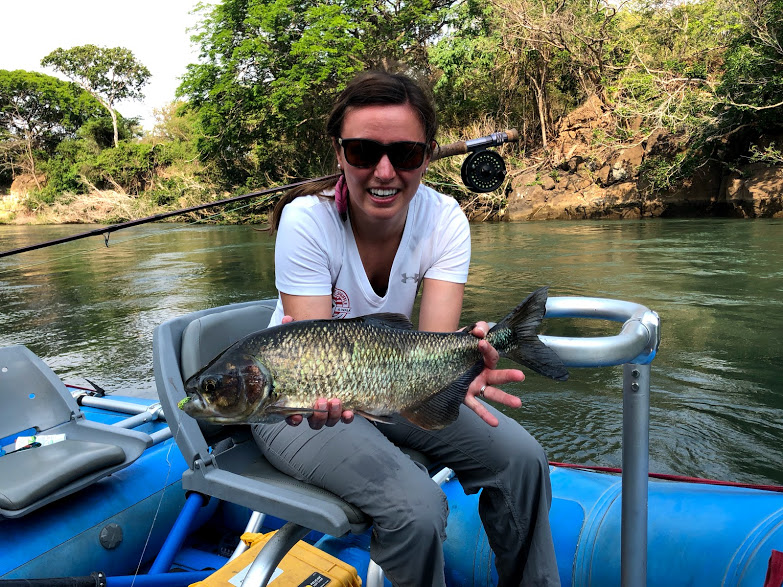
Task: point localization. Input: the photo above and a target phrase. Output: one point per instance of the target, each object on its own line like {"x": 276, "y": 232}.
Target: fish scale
{"x": 376, "y": 365}
{"x": 353, "y": 360}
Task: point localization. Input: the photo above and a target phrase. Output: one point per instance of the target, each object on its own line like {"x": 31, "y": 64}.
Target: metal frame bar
{"x": 634, "y": 348}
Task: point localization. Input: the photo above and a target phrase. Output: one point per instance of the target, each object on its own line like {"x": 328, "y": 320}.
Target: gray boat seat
{"x": 224, "y": 461}
{"x": 36, "y": 402}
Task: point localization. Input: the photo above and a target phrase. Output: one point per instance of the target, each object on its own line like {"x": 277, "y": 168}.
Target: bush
{"x": 129, "y": 167}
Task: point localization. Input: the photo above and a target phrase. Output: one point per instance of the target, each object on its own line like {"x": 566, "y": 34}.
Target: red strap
{"x": 774, "y": 570}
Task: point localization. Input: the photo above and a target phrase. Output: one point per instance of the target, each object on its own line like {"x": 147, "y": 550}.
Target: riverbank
{"x": 583, "y": 179}
{"x": 584, "y": 173}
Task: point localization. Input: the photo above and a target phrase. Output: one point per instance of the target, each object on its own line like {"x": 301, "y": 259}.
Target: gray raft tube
{"x": 636, "y": 343}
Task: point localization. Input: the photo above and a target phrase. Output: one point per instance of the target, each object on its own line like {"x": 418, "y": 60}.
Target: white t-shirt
{"x": 316, "y": 255}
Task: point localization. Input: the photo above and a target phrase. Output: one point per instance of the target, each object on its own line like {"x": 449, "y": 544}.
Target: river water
{"x": 716, "y": 400}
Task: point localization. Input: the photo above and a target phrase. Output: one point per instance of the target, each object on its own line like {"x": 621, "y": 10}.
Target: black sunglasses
{"x": 405, "y": 155}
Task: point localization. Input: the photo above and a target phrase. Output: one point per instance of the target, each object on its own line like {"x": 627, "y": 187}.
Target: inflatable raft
{"x": 124, "y": 491}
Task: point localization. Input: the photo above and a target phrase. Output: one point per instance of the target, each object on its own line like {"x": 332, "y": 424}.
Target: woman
{"x": 367, "y": 245}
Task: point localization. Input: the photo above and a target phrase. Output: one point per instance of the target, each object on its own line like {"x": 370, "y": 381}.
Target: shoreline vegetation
{"x": 644, "y": 109}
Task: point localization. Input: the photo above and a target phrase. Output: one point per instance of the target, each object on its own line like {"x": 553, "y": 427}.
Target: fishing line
{"x": 121, "y": 242}
{"x": 160, "y": 503}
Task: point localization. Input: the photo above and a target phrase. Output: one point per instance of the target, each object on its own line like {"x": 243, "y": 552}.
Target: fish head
{"x": 229, "y": 390}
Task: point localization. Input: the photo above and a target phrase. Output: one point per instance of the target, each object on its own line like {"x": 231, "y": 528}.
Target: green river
{"x": 717, "y": 391}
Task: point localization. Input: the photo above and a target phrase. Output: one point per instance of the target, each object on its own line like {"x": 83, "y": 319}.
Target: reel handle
{"x": 462, "y": 147}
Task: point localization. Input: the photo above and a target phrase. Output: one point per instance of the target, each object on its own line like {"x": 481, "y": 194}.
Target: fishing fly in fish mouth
{"x": 377, "y": 365}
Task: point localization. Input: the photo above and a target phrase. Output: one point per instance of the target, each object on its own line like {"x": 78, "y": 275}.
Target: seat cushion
{"x": 206, "y": 337}
{"x": 29, "y": 475}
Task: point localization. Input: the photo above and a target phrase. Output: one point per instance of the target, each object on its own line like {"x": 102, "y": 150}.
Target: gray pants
{"x": 357, "y": 462}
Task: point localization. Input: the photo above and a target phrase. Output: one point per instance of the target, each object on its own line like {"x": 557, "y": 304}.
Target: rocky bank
{"x": 585, "y": 180}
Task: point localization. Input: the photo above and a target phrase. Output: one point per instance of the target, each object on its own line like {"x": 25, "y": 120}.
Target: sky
{"x": 155, "y": 30}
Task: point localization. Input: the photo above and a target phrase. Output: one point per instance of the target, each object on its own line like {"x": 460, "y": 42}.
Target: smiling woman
{"x": 368, "y": 244}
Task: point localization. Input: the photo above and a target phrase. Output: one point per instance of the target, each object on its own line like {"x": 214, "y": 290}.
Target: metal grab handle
{"x": 634, "y": 348}
{"x": 637, "y": 341}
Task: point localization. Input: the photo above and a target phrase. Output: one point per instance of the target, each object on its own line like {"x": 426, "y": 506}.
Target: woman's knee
{"x": 420, "y": 511}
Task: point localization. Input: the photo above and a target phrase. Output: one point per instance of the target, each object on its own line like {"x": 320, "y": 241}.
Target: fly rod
{"x": 457, "y": 148}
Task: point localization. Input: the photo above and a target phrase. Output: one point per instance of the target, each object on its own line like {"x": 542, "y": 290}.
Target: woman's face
{"x": 381, "y": 191}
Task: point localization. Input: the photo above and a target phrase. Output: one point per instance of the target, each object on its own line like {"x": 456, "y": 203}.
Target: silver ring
{"x": 481, "y": 391}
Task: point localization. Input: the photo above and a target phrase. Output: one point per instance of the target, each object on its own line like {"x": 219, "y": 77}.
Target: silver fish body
{"x": 376, "y": 365}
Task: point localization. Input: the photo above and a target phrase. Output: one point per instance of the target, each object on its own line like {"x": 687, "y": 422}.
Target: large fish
{"x": 377, "y": 365}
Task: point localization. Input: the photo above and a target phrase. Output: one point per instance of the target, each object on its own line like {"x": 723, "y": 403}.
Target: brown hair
{"x": 370, "y": 88}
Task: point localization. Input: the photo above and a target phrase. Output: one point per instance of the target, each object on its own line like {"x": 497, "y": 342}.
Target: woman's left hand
{"x": 483, "y": 385}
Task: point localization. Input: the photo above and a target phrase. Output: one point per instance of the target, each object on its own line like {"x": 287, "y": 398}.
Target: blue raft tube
{"x": 695, "y": 534}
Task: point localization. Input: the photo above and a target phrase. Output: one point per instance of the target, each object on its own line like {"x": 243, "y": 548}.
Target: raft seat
{"x": 36, "y": 402}
{"x": 224, "y": 461}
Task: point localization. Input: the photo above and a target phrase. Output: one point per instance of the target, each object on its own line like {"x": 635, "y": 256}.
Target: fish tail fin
{"x": 516, "y": 337}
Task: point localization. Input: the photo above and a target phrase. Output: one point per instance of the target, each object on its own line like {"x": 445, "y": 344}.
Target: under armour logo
{"x": 414, "y": 277}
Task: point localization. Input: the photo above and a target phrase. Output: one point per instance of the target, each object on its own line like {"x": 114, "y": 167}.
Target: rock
{"x": 597, "y": 180}
{"x": 653, "y": 139}
{"x": 756, "y": 191}
{"x": 25, "y": 183}
{"x": 698, "y": 195}
{"x": 574, "y": 163}
{"x": 603, "y": 174}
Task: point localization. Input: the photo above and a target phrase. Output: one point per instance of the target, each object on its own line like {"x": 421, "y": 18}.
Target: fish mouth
{"x": 194, "y": 405}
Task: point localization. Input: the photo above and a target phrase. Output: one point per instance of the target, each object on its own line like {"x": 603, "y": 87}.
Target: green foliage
{"x": 100, "y": 131}
{"x": 254, "y": 106}
{"x": 270, "y": 70}
{"x": 468, "y": 64}
{"x": 129, "y": 167}
{"x": 37, "y": 112}
{"x": 769, "y": 155}
{"x": 110, "y": 74}
{"x": 62, "y": 175}
{"x": 660, "y": 174}
{"x": 753, "y": 80}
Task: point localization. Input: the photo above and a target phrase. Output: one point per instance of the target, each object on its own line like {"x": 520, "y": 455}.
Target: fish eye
{"x": 210, "y": 385}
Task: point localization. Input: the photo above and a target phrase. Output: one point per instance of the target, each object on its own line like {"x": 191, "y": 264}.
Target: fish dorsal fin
{"x": 390, "y": 319}
{"x": 442, "y": 408}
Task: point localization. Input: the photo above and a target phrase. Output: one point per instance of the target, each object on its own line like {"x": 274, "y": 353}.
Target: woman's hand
{"x": 490, "y": 377}
{"x": 326, "y": 412}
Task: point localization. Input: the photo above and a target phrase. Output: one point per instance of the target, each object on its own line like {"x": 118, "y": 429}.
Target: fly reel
{"x": 483, "y": 171}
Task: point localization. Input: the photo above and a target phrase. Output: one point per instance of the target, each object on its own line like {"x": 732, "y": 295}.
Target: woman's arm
{"x": 314, "y": 308}
{"x": 441, "y": 306}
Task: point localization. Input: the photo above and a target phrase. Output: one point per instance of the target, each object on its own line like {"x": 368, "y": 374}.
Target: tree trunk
{"x": 541, "y": 103}
{"x": 114, "y": 124}
{"x": 31, "y": 158}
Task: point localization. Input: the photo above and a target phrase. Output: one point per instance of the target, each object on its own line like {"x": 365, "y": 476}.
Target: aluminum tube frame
{"x": 154, "y": 412}
{"x": 254, "y": 524}
{"x": 635, "y": 348}
{"x": 178, "y": 534}
{"x": 272, "y": 553}
{"x": 106, "y": 403}
{"x": 637, "y": 341}
{"x": 636, "y": 457}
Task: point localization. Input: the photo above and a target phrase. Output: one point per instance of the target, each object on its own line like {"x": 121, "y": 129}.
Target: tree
{"x": 110, "y": 74}
{"x": 270, "y": 68}
{"x": 37, "y": 112}
{"x": 752, "y": 85}
{"x": 560, "y": 42}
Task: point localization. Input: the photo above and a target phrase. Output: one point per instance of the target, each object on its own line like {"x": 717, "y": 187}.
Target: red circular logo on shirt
{"x": 341, "y": 305}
